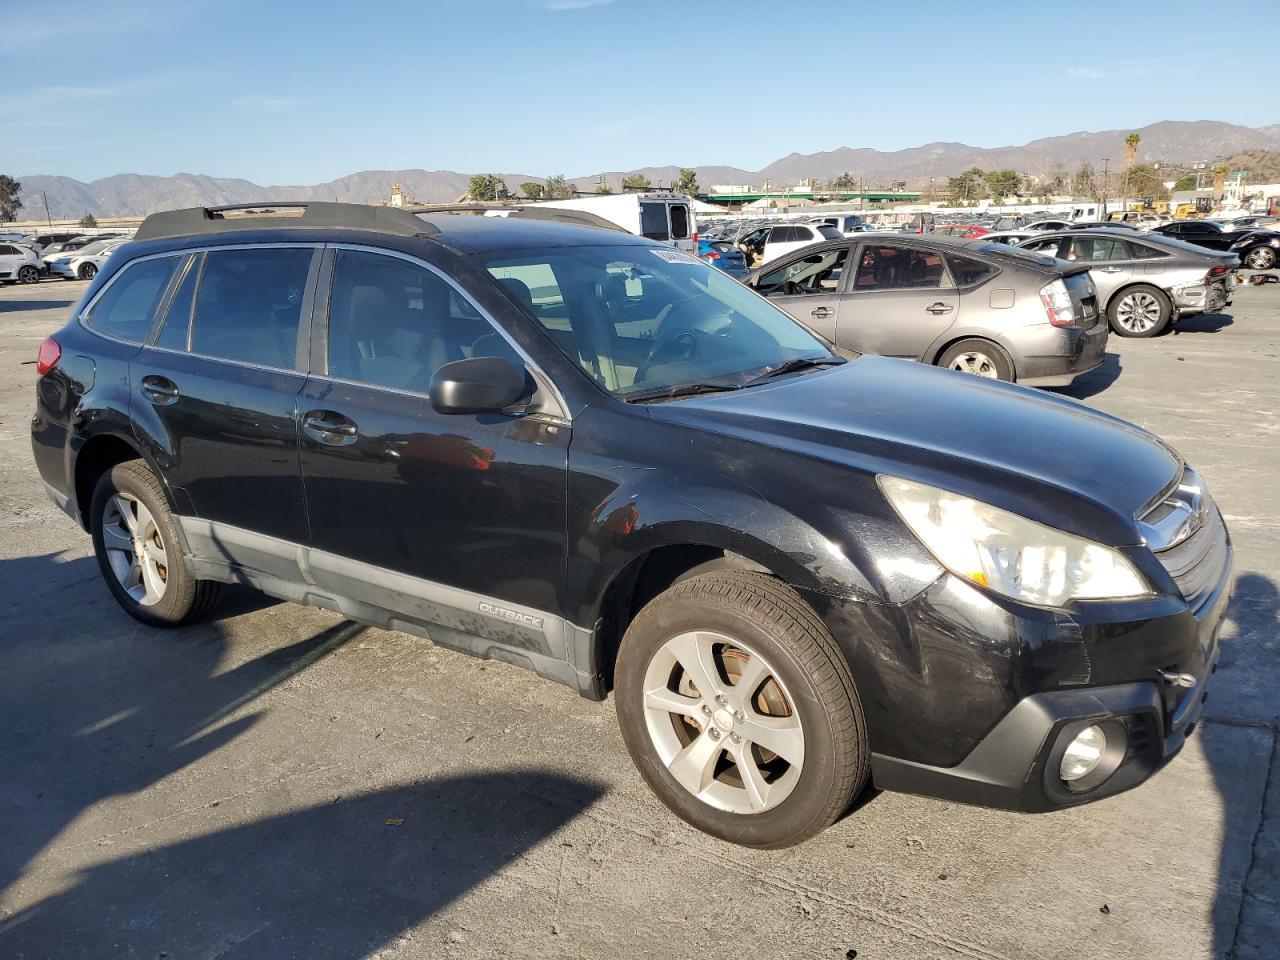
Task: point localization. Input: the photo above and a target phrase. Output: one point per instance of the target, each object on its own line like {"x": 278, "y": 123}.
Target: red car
{"x": 965, "y": 231}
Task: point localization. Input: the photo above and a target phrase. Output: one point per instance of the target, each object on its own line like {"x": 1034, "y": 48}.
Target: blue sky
{"x": 283, "y": 93}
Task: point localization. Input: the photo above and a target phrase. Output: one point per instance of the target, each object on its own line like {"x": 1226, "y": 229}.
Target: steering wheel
{"x": 679, "y": 342}
{"x": 790, "y": 288}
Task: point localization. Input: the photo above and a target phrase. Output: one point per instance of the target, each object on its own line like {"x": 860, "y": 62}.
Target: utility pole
{"x": 1105, "y": 165}
{"x": 862, "y": 195}
{"x": 45, "y": 197}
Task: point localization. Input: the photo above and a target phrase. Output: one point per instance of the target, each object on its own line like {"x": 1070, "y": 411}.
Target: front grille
{"x": 1188, "y": 536}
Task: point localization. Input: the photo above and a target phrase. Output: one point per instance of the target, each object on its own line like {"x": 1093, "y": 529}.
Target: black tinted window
{"x": 7, "y": 251}
{"x": 1140, "y": 251}
{"x": 177, "y": 321}
{"x": 653, "y": 221}
{"x": 393, "y": 323}
{"x": 127, "y": 307}
{"x": 249, "y": 305}
{"x": 679, "y": 221}
{"x": 968, "y": 271}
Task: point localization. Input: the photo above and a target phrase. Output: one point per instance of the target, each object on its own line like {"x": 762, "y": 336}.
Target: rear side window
{"x": 128, "y": 305}
{"x": 8, "y": 251}
{"x": 249, "y": 304}
{"x": 969, "y": 271}
{"x": 1096, "y": 249}
{"x": 653, "y": 221}
{"x": 177, "y": 321}
{"x": 1142, "y": 252}
{"x": 679, "y": 221}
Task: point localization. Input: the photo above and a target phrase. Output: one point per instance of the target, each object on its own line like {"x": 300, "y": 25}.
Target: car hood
{"x": 1040, "y": 455}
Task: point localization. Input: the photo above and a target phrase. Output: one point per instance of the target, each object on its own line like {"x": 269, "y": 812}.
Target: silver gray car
{"x": 1145, "y": 281}
{"x": 987, "y": 309}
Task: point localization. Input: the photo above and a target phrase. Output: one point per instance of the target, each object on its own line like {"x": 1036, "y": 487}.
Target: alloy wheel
{"x": 723, "y": 722}
{"x": 29, "y": 274}
{"x": 135, "y": 549}
{"x": 976, "y": 363}
{"x": 1138, "y": 312}
{"x": 88, "y": 271}
{"x": 1261, "y": 259}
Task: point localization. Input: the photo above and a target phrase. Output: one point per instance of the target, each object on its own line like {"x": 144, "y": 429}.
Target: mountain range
{"x": 1172, "y": 142}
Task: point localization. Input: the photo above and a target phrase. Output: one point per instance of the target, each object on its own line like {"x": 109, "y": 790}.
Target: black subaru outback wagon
{"x": 591, "y": 455}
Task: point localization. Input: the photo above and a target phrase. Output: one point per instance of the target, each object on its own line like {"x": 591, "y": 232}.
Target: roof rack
{"x": 195, "y": 221}
{"x": 578, "y": 218}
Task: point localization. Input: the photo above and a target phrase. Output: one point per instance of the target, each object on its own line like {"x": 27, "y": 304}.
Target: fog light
{"x": 1083, "y": 754}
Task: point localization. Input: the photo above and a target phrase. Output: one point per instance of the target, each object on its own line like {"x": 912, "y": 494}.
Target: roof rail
{"x": 195, "y": 221}
{"x": 533, "y": 211}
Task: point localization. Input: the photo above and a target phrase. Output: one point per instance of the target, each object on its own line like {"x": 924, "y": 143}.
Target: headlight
{"x": 1010, "y": 554}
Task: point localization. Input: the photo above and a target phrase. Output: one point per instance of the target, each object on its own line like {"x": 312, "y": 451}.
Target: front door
{"x": 808, "y": 288}
{"x": 455, "y": 521}
{"x": 899, "y": 300}
{"x": 217, "y": 387}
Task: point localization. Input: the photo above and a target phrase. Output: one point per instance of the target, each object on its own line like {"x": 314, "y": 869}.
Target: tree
{"x": 688, "y": 183}
{"x": 1002, "y": 183}
{"x": 1220, "y": 180}
{"x": 637, "y": 181}
{"x": 88, "y": 220}
{"x": 557, "y": 188}
{"x": 966, "y": 187}
{"x": 531, "y": 190}
{"x": 10, "y": 203}
{"x": 1185, "y": 183}
{"x": 603, "y": 188}
{"x": 1146, "y": 183}
{"x": 1130, "y": 154}
{"x": 488, "y": 186}
{"x": 844, "y": 182}
{"x": 1084, "y": 184}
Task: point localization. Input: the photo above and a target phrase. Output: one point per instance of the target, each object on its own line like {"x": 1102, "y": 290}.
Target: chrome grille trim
{"x": 1186, "y": 533}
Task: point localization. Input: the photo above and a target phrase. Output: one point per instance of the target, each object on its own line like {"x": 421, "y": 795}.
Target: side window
{"x": 653, "y": 221}
{"x": 816, "y": 274}
{"x": 1095, "y": 249}
{"x": 969, "y": 271}
{"x": 1140, "y": 251}
{"x": 177, "y": 322}
{"x": 898, "y": 268}
{"x": 393, "y": 323}
{"x": 128, "y": 305}
{"x": 679, "y": 221}
{"x": 8, "y": 251}
{"x": 1049, "y": 246}
{"x": 249, "y": 305}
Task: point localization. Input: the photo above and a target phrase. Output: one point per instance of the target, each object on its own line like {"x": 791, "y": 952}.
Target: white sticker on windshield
{"x": 671, "y": 255}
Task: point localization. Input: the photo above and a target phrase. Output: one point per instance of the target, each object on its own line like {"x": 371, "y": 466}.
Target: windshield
{"x": 651, "y": 320}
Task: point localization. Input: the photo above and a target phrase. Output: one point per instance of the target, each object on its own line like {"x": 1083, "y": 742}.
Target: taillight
{"x": 712, "y": 255}
{"x": 1216, "y": 272}
{"x": 1057, "y": 303}
{"x": 48, "y": 357}
{"x": 694, "y": 238}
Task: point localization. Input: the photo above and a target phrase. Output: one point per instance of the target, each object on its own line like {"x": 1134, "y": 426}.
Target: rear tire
{"x": 983, "y": 358}
{"x": 139, "y": 552}
{"x": 1139, "y": 311}
{"x": 28, "y": 274}
{"x": 762, "y": 669}
{"x": 87, "y": 271}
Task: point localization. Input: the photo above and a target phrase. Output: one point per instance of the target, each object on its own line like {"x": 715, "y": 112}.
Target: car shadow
{"x": 1095, "y": 381}
{"x": 18, "y": 306}
{"x": 1202, "y": 323}
{"x": 338, "y": 879}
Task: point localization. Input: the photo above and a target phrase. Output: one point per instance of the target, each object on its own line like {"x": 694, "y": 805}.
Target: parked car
{"x": 847, "y": 223}
{"x": 1252, "y": 222}
{"x": 1118, "y": 225}
{"x": 974, "y": 307}
{"x": 1043, "y": 225}
{"x": 965, "y": 231}
{"x": 19, "y": 264}
{"x": 83, "y": 264}
{"x": 797, "y": 574}
{"x": 1012, "y": 238}
{"x": 1146, "y": 282}
{"x": 40, "y": 242}
{"x": 724, "y": 256}
{"x": 1139, "y": 219}
{"x": 54, "y": 250}
{"x": 1257, "y": 249}
{"x": 771, "y": 242}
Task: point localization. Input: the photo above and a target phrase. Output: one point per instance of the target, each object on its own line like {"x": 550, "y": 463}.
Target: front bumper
{"x": 1015, "y": 765}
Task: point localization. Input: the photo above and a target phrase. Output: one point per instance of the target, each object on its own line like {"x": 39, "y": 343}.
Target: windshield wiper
{"x": 795, "y": 363}
{"x": 680, "y": 390}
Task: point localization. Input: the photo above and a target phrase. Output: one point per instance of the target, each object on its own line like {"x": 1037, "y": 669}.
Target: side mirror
{"x": 477, "y": 385}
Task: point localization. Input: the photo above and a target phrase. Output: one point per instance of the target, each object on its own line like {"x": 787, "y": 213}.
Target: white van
{"x": 663, "y": 216}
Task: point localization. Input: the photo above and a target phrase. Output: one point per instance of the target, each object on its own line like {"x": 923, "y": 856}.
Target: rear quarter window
{"x": 127, "y": 306}
{"x": 968, "y": 271}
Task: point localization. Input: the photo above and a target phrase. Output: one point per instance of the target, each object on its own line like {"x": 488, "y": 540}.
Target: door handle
{"x": 160, "y": 390}
{"x": 821, "y": 312}
{"x": 327, "y": 427}
{"x": 1110, "y": 269}
{"x": 939, "y": 308}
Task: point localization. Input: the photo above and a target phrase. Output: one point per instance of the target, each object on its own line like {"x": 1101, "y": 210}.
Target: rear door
{"x": 680, "y": 221}
{"x": 897, "y": 300}
{"x": 217, "y": 386}
{"x": 808, "y": 288}
{"x": 1110, "y": 259}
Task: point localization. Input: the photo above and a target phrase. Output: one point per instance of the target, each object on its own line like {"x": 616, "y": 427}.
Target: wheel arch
{"x": 1129, "y": 285}
{"x": 952, "y": 338}
{"x": 98, "y": 454}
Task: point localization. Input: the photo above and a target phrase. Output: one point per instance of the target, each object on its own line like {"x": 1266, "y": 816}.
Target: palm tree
{"x": 1130, "y": 154}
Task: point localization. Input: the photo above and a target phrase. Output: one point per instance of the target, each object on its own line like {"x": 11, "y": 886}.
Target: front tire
{"x": 139, "y": 552}
{"x": 1260, "y": 258}
{"x": 28, "y": 274}
{"x": 982, "y": 358}
{"x": 88, "y": 271}
{"x": 739, "y": 710}
{"x": 1139, "y": 311}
